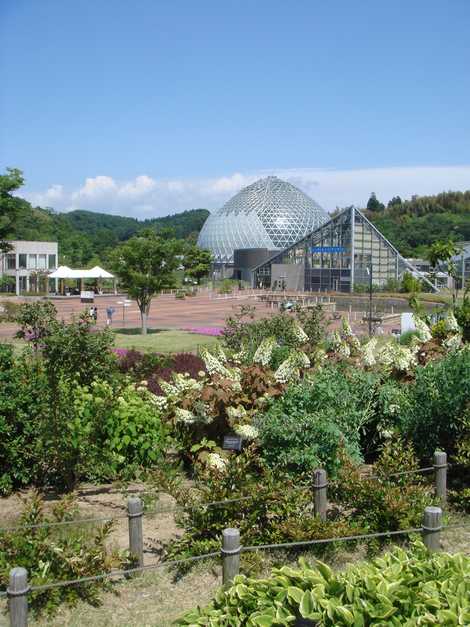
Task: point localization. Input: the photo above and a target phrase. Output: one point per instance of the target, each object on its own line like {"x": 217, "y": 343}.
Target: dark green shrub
{"x": 386, "y": 503}
{"x": 23, "y": 400}
{"x": 278, "y": 508}
{"x": 9, "y": 310}
{"x": 439, "y": 399}
{"x": 305, "y": 427}
{"x": 54, "y": 554}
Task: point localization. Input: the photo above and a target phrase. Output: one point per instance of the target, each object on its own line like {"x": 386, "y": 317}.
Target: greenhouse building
{"x": 344, "y": 253}
{"x": 264, "y": 218}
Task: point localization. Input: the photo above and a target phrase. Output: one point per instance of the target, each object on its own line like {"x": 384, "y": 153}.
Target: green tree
{"x": 373, "y": 204}
{"x": 9, "y": 182}
{"x": 145, "y": 265}
{"x": 442, "y": 253}
{"x": 196, "y": 262}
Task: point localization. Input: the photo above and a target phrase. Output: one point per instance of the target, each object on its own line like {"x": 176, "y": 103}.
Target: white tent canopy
{"x": 64, "y": 272}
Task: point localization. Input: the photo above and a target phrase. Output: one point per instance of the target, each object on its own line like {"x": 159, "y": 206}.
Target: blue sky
{"x": 146, "y": 107}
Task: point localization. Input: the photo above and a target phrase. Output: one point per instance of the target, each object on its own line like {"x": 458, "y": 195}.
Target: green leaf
{"x": 307, "y": 604}
{"x": 295, "y": 593}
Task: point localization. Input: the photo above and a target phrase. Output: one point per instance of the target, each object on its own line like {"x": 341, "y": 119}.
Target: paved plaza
{"x": 168, "y": 312}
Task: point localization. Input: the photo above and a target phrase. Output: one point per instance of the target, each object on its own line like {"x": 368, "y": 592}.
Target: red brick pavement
{"x": 167, "y": 312}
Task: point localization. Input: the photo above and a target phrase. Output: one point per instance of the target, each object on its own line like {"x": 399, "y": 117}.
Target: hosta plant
{"x": 400, "y": 589}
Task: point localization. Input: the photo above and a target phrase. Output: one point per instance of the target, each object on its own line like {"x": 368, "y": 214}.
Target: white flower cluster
{"x": 346, "y": 334}
{"x": 214, "y": 365}
{"x": 368, "y": 352}
{"x": 185, "y": 416}
{"x": 396, "y": 357}
{"x": 338, "y": 346}
{"x": 451, "y": 323}
{"x": 289, "y": 369}
{"x": 214, "y": 460}
{"x": 453, "y": 342}
{"x": 159, "y": 401}
{"x": 240, "y": 357}
{"x": 247, "y": 432}
{"x": 264, "y": 351}
{"x": 299, "y": 333}
{"x": 422, "y": 329}
{"x": 236, "y": 412}
{"x": 219, "y": 353}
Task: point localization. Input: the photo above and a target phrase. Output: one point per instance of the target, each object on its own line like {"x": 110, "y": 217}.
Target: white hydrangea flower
{"x": 338, "y": 346}
{"x": 167, "y": 388}
{"x": 214, "y": 366}
{"x": 264, "y": 351}
{"x": 214, "y": 460}
{"x": 397, "y": 357}
{"x": 415, "y": 344}
{"x": 299, "y": 333}
{"x": 451, "y": 323}
{"x": 368, "y": 352}
{"x": 453, "y": 343}
{"x": 184, "y": 415}
{"x": 160, "y": 401}
{"x": 240, "y": 357}
{"x": 346, "y": 330}
{"x": 247, "y": 432}
{"x": 289, "y": 369}
{"x": 236, "y": 412}
{"x": 220, "y": 354}
{"x": 422, "y": 329}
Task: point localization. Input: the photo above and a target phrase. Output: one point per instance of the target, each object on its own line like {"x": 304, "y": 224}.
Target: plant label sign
{"x": 232, "y": 443}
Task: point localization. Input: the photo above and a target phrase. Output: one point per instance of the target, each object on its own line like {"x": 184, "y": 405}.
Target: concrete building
{"x": 28, "y": 265}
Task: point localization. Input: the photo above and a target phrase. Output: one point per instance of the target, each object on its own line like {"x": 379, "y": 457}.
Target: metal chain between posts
{"x": 231, "y": 549}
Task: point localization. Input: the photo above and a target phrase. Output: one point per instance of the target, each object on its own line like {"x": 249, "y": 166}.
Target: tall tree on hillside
{"x": 443, "y": 253}
{"x": 145, "y": 265}
{"x": 373, "y": 204}
{"x": 196, "y": 262}
{"x": 9, "y": 182}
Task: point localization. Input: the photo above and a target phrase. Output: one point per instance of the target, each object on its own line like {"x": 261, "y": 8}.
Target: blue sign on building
{"x": 328, "y": 249}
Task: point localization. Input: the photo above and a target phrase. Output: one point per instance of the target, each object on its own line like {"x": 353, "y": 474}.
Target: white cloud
{"x": 145, "y": 196}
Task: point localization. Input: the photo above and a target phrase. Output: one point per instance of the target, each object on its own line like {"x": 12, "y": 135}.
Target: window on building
{"x": 11, "y": 261}
{"x": 42, "y": 260}
{"x": 52, "y": 262}
{"x": 22, "y": 260}
{"x": 32, "y": 262}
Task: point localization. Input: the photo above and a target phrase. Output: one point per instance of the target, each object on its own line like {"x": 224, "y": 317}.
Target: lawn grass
{"x": 171, "y": 341}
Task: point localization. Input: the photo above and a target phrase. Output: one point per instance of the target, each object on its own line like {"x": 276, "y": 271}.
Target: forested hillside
{"x": 85, "y": 237}
{"x": 413, "y": 225}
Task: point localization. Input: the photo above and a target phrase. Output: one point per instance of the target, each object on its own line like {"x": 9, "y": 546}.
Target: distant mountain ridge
{"x": 85, "y": 237}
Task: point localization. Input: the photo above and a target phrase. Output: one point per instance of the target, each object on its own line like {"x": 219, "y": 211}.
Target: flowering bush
{"x": 212, "y": 331}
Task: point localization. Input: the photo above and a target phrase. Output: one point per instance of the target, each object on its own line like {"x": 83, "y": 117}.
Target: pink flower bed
{"x": 205, "y": 330}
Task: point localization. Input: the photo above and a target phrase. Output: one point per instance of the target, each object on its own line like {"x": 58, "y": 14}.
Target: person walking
{"x": 91, "y": 312}
{"x": 109, "y": 315}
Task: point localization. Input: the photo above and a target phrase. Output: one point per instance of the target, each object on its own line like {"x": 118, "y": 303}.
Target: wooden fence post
{"x": 432, "y": 525}
{"x": 440, "y": 472}
{"x": 135, "y": 512}
{"x": 230, "y": 555}
{"x": 17, "y": 592}
{"x": 320, "y": 485}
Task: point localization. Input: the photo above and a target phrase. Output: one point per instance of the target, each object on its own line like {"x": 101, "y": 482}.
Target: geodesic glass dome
{"x": 269, "y": 213}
